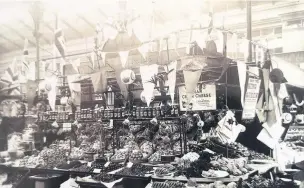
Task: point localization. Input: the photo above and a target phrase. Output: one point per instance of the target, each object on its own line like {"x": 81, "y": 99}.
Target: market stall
{"x": 149, "y": 113}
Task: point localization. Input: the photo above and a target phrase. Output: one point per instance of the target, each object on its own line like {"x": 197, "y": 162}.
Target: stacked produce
{"x": 120, "y": 155}
{"x": 53, "y": 156}
{"x": 82, "y": 168}
{"x": 164, "y": 170}
{"x": 135, "y": 170}
{"x": 195, "y": 168}
{"x": 32, "y": 161}
{"x": 235, "y": 167}
{"x": 156, "y": 157}
{"x": 261, "y": 182}
{"x": 168, "y": 184}
{"x": 106, "y": 169}
{"x": 104, "y": 177}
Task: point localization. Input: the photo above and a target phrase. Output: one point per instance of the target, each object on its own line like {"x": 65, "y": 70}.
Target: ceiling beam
{"x": 71, "y": 27}
{"x": 86, "y": 21}
{"x": 32, "y": 29}
{"x": 19, "y": 34}
{"x": 10, "y": 41}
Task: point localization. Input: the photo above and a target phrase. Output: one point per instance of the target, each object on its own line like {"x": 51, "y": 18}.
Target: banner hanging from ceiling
{"x": 203, "y": 99}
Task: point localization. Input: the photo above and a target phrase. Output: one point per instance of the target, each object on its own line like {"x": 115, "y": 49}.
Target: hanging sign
{"x": 251, "y": 98}
{"x": 203, "y": 99}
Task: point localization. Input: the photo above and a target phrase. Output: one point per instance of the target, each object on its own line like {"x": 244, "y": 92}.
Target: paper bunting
{"x": 143, "y": 49}
{"x": 31, "y": 88}
{"x": 103, "y": 57}
{"x": 242, "y": 71}
{"x": 220, "y": 41}
{"x": 124, "y": 57}
{"x": 92, "y": 59}
{"x": 147, "y": 73}
{"x": 99, "y": 81}
{"x": 10, "y": 75}
{"x": 50, "y": 87}
{"x": 191, "y": 79}
{"x": 266, "y": 73}
{"x": 75, "y": 88}
{"x": 172, "y": 79}
{"x": 76, "y": 64}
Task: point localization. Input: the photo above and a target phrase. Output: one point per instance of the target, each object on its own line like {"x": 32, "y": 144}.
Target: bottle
{"x": 153, "y": 112}
{"x": 115, "y": 113}
{"x": 172, "y": 110}
{"x": 176, "y": 112}
{"x": 123, "y": 112}
{"x": 146, "y": 112}
{"x": 134, "y": 111}
{"x": 149, "y": 113}
{"x": 158, "y": 111}
{"x": 138, "y": 112}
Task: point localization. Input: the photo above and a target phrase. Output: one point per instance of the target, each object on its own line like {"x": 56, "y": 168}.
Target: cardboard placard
{"x": 203, "y": 99}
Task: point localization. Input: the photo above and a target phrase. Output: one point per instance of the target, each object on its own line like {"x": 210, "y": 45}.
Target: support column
{"x": 249, "y": 29}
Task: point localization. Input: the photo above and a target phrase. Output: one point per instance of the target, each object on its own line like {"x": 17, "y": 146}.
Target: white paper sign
{"x": 89, "y": 164}
{"x": 66, "y": 126}
{"x": 129, "y": 165}
{"x": 203, "y": 99}
{"x": 96, "y": 170}
{"x": 251, "y": 98}
{"x": 107, "y": 164}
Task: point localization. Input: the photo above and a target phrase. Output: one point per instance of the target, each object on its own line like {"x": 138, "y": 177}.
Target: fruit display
{"x": 164, "y": 170}
{"x": 235, "y": 167}
{"x": 135, "y": 170}
{"x": 76, "y": 153}
{"x": 262, "y": 182}
{"x": 120, "y": 155}
{"x": 168, "y": 184}
{"x": 82, "y": 168}
{"x": 191, "y": 156}
{"x": 103, "y": 177}
{"x": 146, "y": 148}
{"x": 156, "y": 156}
{"x": 53, "y": 156}
{"x": 31, "y": 161}
{"x": 136, "y": 155}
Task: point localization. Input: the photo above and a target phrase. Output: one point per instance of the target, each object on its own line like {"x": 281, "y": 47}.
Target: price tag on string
{"x": 129, "y": 165}
{"x": 89, "y": 164}
{"x": 44, "y": 139}
{"x": 96, "y": 170}
{"x": 107, "y": 164}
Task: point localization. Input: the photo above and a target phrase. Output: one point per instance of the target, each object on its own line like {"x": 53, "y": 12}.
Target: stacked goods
{"x": 72, "y": 164}
{"x": 136, "y": 155}
{"x": 135, "y": 170}
{"x": 261, "y": 182}
{"x": 120, "y": 155}
{"x": 235, "y": 167}
{"x": 103, "y": 177}
{"x": 82, "y": 168}
{"x": 164, "y": 170}
{"x": 156, "y": 157}
{"x": 194, "y": 169}
{"x": 168, "y": 184}
{"x": 53, "y": 156}
{"x": 32, "y": 161}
